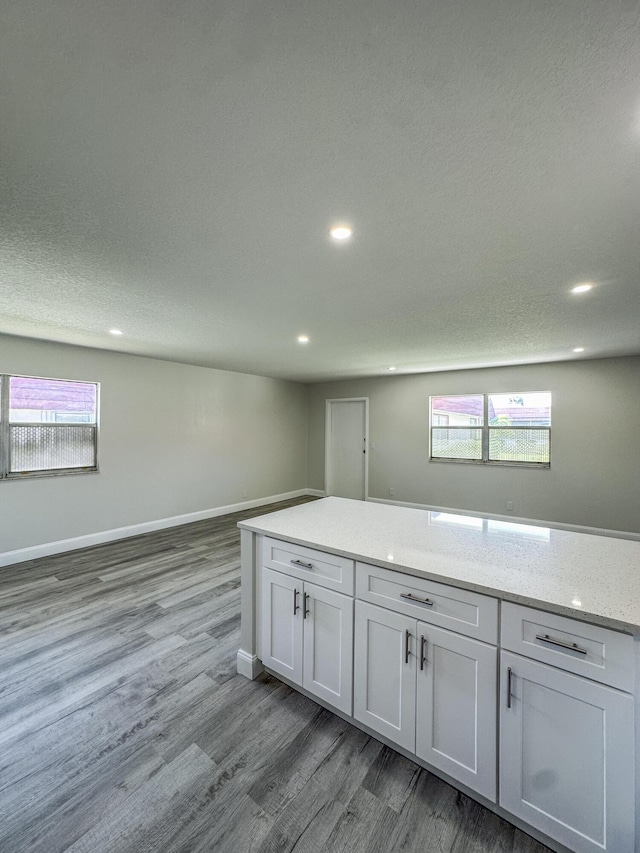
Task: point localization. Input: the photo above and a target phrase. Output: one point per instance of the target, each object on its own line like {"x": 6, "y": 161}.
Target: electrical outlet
{"x": 244, "y": 494}
{"x": 509, "y": 506}
{"x": 392, "y": 491}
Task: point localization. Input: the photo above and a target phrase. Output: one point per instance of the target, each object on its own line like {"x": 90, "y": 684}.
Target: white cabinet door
{"x": 307, "y": 636}
{"x": 456, "y": 707}
{"x": 328, "y": 646}
{"x": 384, "y": 689}
{"x": 566, "y": 756}
{"x": 282, "y": 624}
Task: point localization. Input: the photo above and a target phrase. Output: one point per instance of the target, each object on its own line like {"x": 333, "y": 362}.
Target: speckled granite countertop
{"x": 589, "y": 577}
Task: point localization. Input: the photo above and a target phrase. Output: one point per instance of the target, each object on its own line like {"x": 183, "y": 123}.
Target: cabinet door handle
{"x": 296, "y": 606}
{"x": 407, "y": 635}
{"x": 423, "y": 649}
{"x": 508, "y": 687}
{"x": 417, "y": 600}
{"x": 302, "y": 564}
{"x": 574, "y": 647}
{"x": 305, "y": 599}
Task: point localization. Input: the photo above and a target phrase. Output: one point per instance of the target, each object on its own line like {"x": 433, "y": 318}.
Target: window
{"x": 47, "y": 426}
{"x": 439, "y": 419}
{"x": 504, "y": 429}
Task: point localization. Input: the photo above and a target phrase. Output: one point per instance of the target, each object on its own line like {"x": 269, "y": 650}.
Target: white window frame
{"x": 6, "y": 475}
{"x": 486, "y": 429}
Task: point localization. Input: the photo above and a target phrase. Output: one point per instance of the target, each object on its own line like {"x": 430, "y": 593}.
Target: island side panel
{"x": 247, "y": 661}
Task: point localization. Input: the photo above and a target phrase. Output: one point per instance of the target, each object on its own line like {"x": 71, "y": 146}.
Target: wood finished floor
{"x": 124, "y": 727}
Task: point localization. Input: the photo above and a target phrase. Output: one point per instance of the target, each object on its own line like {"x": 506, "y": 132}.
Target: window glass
{"x": 458, "y": 410}
{"x": 520, "y": 409}
{"x": 50, "y": 448}
{"x": 518, "y": 445}
{"x": 456, "y": 443}
{"x": 517, "y": 431}
{"x": 51, "y": 401}
{"x": 52, "y": 426}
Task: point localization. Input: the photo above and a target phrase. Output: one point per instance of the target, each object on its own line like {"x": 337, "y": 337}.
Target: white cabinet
{"x": 327, "y": 668}
{"x": 458, "y": 610}
{"x": 567, "y": 741}
{"x": 384, "y": 687}
{"x": 581, "y": 648}
{"x": 566, "y": 756}
{"x": 422, "y": 672}
{"x": 456, "y": 707}
{"x": 309, "y": 564}
{"x": 281, "y": 624}
{"x": 430, "y": 691}
{"x": 307, "y": 636}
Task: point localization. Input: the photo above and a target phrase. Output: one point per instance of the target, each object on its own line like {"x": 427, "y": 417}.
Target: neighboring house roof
{"x": 522, "y": 414}
{"x": 458, "y": 405}
{"x": 473, "y": 406}
{"x": 51, "y": 395}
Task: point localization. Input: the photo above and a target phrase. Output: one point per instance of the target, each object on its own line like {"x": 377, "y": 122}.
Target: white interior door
{"x": 346, "y": 449}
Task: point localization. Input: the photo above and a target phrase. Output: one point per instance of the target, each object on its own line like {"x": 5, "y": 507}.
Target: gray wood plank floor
{"x": 124, "y": 727}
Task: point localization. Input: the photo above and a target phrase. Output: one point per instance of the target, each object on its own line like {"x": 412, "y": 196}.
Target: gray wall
{"x": 174, "y": 439}
{"x": 594, "y": 479}
{"x": 177, "y": 439}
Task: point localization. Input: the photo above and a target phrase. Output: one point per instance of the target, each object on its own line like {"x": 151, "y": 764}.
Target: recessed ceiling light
{"x": 578, "y": 349}
{"x": 341, "y": 232}
{"x": 582, "y": 288}
{"x": 115, "y": 332}
{"x": 391, "y": 368}
{"x": 303, "y": 339}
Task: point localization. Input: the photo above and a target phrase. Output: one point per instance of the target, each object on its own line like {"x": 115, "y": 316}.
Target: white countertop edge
{"x": 503, "y": 595}
{"x": 260, "y": 525}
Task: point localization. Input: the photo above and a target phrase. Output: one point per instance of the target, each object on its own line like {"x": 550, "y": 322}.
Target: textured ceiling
{"x": 172, "y": 167}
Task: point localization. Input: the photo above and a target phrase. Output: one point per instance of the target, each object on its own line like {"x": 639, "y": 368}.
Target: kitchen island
{"x": 503, "y": 657}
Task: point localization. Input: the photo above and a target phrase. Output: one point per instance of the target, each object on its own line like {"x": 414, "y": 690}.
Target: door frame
{"x": 327, "y": 440}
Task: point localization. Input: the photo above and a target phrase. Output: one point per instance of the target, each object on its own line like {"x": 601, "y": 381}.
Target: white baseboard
{"x": 317, "y": 493}
{"x": 47, "y": 549}
{"x": 248, "y": 665}
{"x": 535, "y": 522}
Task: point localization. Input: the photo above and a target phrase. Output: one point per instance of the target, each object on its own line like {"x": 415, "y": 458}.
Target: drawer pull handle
{"x": 296, "y": 606}
{"x": 417, "y": 600}
{"x": 305, "y": 601}
{"x": 423, "y": 649}
{"x": 407, "y": 635}
{"x": 574, "y": 647}
{"x": 301, "y": 564}
{"x": 508, "y": 687}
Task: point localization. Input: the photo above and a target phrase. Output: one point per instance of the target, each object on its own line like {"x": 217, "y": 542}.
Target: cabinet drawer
{"x": 324, "y": 569}
{"x": 589, "y": 650}
{"x": 458, "y": 610}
